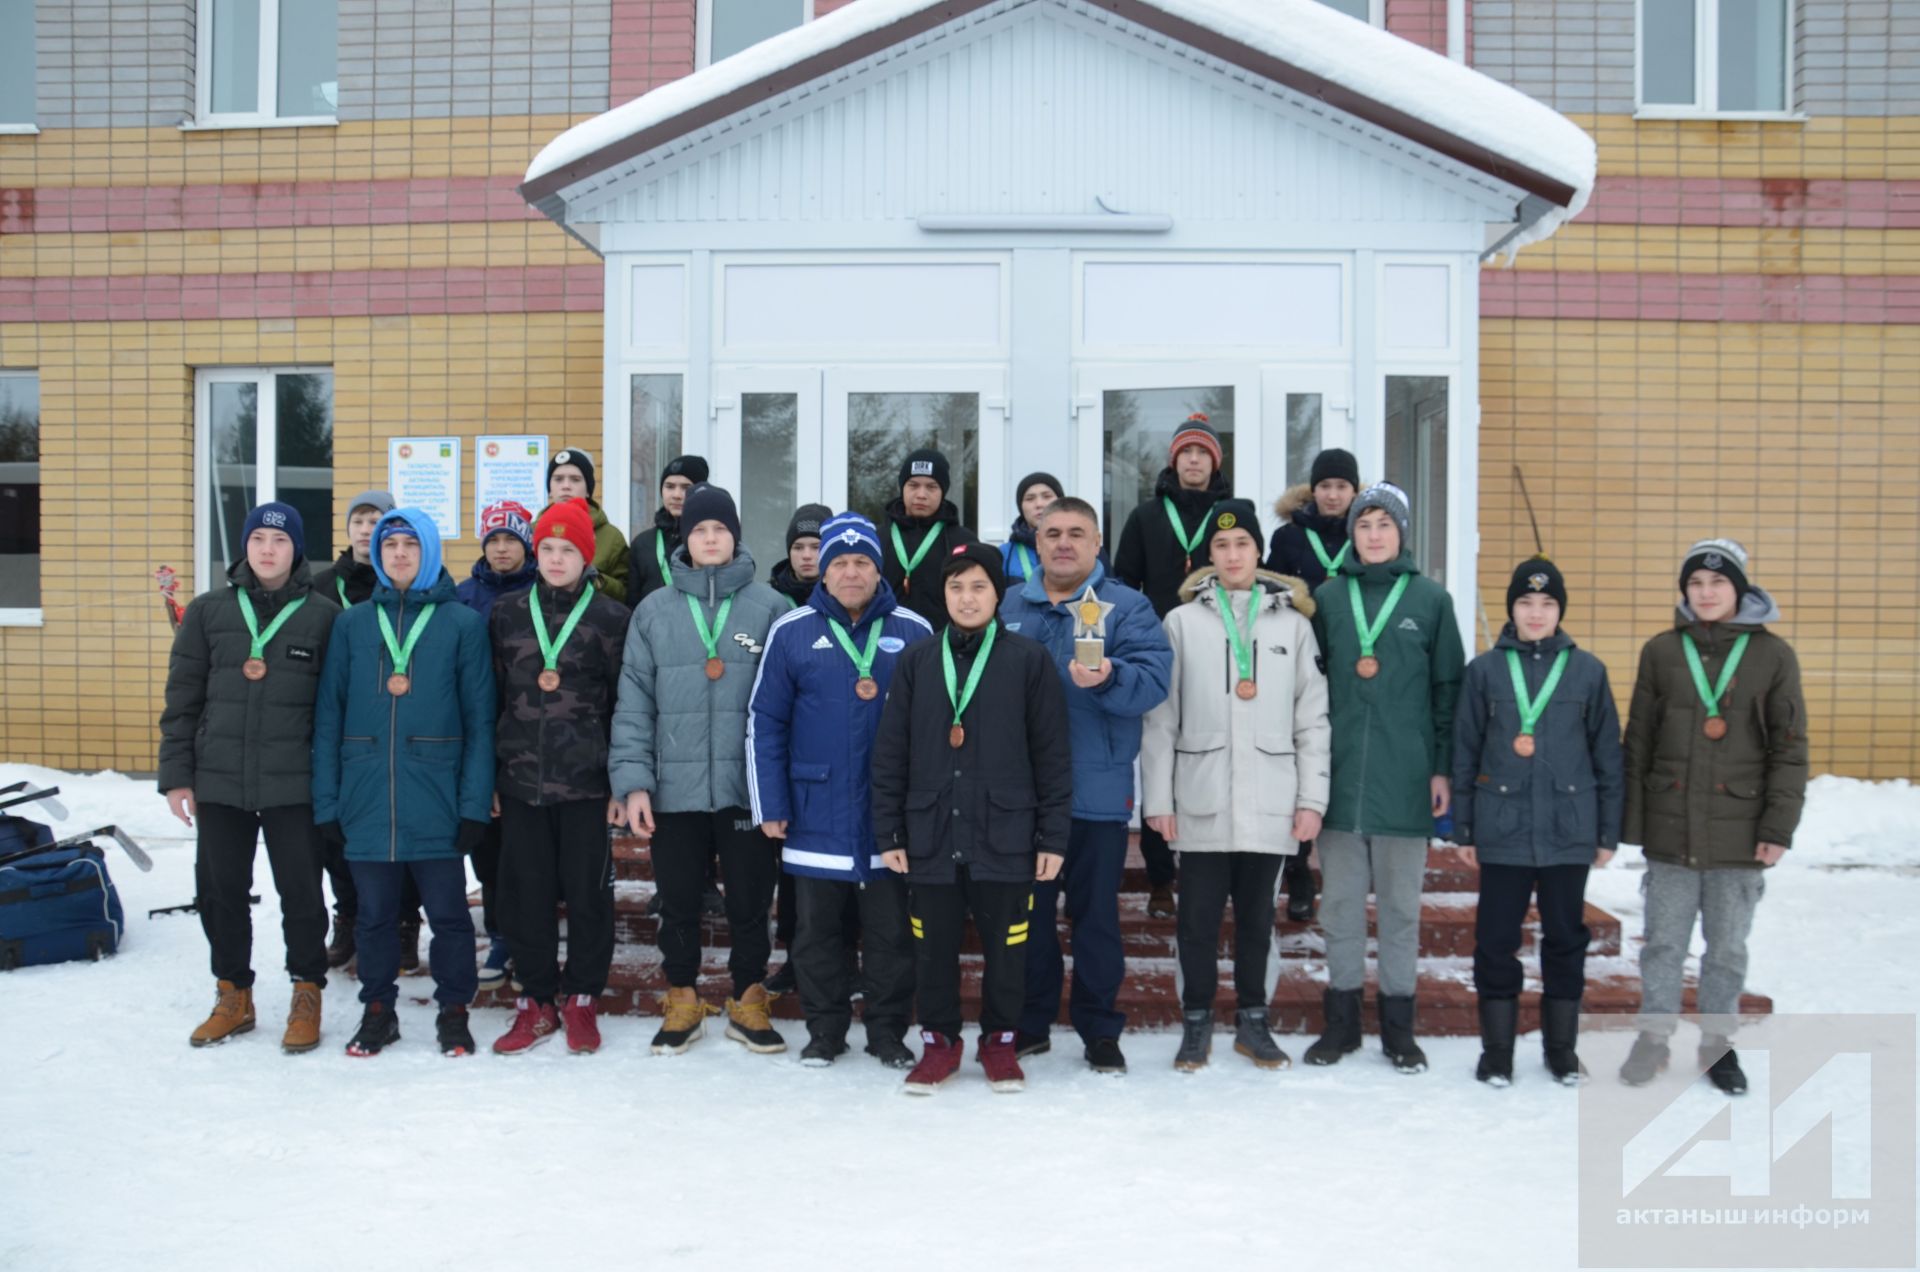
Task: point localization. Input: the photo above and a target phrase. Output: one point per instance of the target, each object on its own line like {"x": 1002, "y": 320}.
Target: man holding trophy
{"x": 1116, "y": 664}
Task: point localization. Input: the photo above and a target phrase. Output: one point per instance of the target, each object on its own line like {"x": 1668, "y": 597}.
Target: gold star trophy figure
{"x": 1090, "y": 629}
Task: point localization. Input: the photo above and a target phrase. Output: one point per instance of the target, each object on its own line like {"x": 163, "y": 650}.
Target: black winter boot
{"x": 340, "y": 950}
{"x": 1396, "y": 1035}
{"x": 885, "y": 1044}
{"x": 1645, "y": 1061}
{"x": 1499, "y": 1021}
{"x": 451, "y": 1028}
{"x": 1723, "y": 1067}
{"x": 1342, "y": 1035}
{"x": 379, "y": 1029}
{"x": 410, "y": 944}
{"x": 824, "y": 1046}
{"x": 1301, "y": 888}
{"x": 1559, "y": 1026}
{"x": 1196, "y": 1040}
{"x": 1252, "y": 1039}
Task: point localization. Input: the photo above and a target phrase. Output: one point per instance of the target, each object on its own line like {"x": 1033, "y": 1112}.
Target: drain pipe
{"x": 1457, "y": 30}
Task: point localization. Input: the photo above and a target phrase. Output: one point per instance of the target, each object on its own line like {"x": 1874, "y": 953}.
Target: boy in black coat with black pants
{"x": 972, "y": 800}
{"x": 918, "y": 531}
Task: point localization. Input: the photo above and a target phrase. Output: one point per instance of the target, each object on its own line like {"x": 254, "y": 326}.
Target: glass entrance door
{"x": 876, "y": 416}
{"x": 1129, "y": 414}
{"x": 766, "y": 450}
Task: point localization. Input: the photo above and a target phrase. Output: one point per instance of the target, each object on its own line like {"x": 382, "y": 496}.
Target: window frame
{"x": 703, "y": 29}
{"x": 204, "y": 116}
{"x": 266, "y": 453}
{"x": 29, "y": 126}
{"x": 29, "y": 615}
{"x": 1706, "y": 70}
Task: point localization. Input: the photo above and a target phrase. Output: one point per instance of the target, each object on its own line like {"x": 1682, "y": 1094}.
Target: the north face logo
{"x": 1277, "y": 649}
{"x": 278, "y": 520}
{"x": 922, "y": 468}
{"x": 1408, "y": 625}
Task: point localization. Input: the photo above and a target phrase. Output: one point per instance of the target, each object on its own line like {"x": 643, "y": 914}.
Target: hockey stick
{"x": 114, "y": 833}
{"x": 1520, "y": 480}
{"x": 54, "y": 806}
{"x": 193, "y": 907}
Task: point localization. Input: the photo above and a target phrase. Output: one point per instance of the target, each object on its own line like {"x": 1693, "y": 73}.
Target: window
{"x": 728, "y": 26}
{"x": 1715, "y": 57}
{"x": 1138, "y": 426}
{"x": 16, "y": 65}
{"x": 19, "y": 497}
{"x": 1373, "y": 11}
{"x": 267, "y": 61}
{"x": 262, "y": 435}
{"x": 655, "y": 440}
{"x": 1417, "y": 463}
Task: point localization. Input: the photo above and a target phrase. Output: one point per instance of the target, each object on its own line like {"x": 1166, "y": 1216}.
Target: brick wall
{"x": 106, "y": 65}
{"x": 401, "y": 59}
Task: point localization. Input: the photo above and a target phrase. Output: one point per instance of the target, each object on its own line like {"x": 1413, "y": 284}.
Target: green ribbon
{"x": 710, "y": 636}
{"x": 261, "y": 638}
{"x": 1242, "y": 642}
{"x": 959, "y": 698}
{"x": 1331, "y": 564}
{"x": 920, "y": 553}
{"x": 1531, "y": 709}
{"x": 660, "y": 554}
{"x": 1711, "y": 697}
{"x": 1190, "y": 543}
{"x": 340, "y": 585}
{"x": 862, "y": 662}
{"x": 402, "y": 655}
{"x": 1370, "y": 632}
{"x": 1027, "y": 563}
{"x": 550, "y": 650}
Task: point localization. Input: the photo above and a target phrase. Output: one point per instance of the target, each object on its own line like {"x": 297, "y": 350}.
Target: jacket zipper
{"x": 393, "y": 758}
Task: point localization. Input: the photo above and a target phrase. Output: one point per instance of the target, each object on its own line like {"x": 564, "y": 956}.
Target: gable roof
{"x": 1348, "y": 65}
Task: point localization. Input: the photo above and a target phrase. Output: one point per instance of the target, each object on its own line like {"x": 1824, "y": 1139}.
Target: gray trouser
{"x": 1394, "y": 869}
{"x": 1725, "y": 901}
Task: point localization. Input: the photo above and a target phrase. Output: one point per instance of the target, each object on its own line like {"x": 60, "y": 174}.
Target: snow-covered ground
{"x": 122, "y": 1147}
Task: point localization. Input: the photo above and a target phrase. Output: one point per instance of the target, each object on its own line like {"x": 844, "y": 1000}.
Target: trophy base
{"x": 1089, "y": 653}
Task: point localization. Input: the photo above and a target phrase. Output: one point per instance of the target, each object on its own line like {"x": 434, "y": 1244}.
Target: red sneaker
{"x": 533, "y": 1024}
{"x": 583, "y": 1024}
{"x": 997, "y": 1058}
{"x": 939, "y": 1060}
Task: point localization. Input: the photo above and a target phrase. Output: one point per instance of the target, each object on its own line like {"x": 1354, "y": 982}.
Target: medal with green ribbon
{"x": 1027, "y": 563}
{"x": 910, "y": 564}
{"x": 1531, "y": 709}
{"x": 660, "y": 555}
{"x": 1242, "y": 642}
{"x": 959, "y": 698}
{"x": 400, "y": 683}
{"x": 1190, "y": 543}
{"x": 1331, "y": 564}
{"x": 255, "y": 667}
{"x": 866, "y": 687}
{"x": 549, "y": 678}
{"x": 340, "y": 586}
{"x": 1368, "y": 666}
{"x": 1716, "y": 726}
{"x": 710, "y": 636}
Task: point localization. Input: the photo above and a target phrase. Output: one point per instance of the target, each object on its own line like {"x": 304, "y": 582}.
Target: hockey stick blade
{"x": 133, "y": 850}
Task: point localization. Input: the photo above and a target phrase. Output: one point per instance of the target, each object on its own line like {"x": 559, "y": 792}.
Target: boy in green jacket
{"x": 1393, "y": 661}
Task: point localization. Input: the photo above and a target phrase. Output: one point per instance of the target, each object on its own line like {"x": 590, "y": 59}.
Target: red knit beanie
{"x": 570, "y": 520}
{"x": 1196, "y": 431}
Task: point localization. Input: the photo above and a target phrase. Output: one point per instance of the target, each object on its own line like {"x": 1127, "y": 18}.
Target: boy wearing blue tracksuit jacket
{"x": 814, "y": 712}
{"x": 1104, "y": 710}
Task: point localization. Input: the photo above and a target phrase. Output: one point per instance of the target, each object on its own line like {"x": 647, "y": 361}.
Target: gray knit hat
{"x": 1387, "y": 496}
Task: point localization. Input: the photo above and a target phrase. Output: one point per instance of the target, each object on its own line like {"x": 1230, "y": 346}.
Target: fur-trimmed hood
{"x": 1282, "y": 589}
{"x": 1299, "y": 498}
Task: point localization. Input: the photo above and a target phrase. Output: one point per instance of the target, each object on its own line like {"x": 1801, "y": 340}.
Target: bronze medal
{"x": 1367, "y": 667}
{"x": 1246, "y": 690}
{"x": 399, "y": 684}
{"x": 1715, "y": 728}
{"x": 254, "y": 669}
{"x": 1523, "y": 746}
{"x": 548, "y": 680}
{"x": 715, "y": 669}
{"x": 957, "y": 736}
{"x": 866, "y": 689}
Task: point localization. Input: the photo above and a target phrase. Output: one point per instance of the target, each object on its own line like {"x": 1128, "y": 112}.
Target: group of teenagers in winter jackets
{"x": 907, "y": 730}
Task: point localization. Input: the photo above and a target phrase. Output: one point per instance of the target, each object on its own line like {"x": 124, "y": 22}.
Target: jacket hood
{"x": 666, "y": 523}
{"x": 299, "y": 582}
{"x": 1757, "y": 608}
{"x": 487, "y": 575}
{"x": 1402, "y": 564}
{"x": 429, "y": 535}
{"x": 1510, "y": 639}
{"x": 1282, "y": 589}
{"x": 1168, "y": 484}
{"x": 884, "y": 603}
{"x": 1296, "y": 504}
{"x": 791, "y": 585}
{"x": 599, "y": 517}
{"x": 946, "y": 513}
{"x": 1021, "y": 532}
{"x": 711, "y": 582}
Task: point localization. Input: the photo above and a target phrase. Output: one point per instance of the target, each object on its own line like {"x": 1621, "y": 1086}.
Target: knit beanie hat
{"x": 579, "y": 459}
{"x": 1335, "y": 464}
{"x": 507, "y": 517}
{"x": 278, "y": 516}
{"x": 380, "y": 501}
{"x": 570, "y": 519}
{"x": 926, "y": 462}
{"x": 806, "y": 522}
{"x": 1235, "y": 514}
{"x": 1195, "y": 431}
{"x": 968, "y": 555}
{"x": 1537, "y": 574}
{"x": 692, "y": 467}
{"x": 849, "y": 532}
{"x": 1722, "y": 556}
{"x": 1036, "y": 479}
{"x": 1385, "y": 495}
{"x": 710, "y": 503}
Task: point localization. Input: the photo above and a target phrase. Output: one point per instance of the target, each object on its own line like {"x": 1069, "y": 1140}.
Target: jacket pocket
{"x": 922, "y": 823}
{"x": 1500, "y": 811}
{"x": 428, "y": 804}
{"x": 1010, "y": 828}
{"x": 1576, "y": 814}
{"x": 1737, "y": 799}
{"x": 812, "y": 801}
{"x": 1278, "y": 783}
{"x": 1200, "y": 773}
{"x": 1666, "y": 793}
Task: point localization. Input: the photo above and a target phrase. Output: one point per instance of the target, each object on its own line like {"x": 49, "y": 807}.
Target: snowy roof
{"x": 1350, "y": 65}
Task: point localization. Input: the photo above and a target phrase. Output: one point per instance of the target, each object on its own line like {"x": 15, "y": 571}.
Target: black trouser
{"x": 1002, "y": 915}
{"x": 1497, "y": 924}
{"x": 486, "y": 867}
{"x": 786, "y": 914}
{"x": 442, "y": 885}
{"x": 555, "y": 853}
{"x": 223, "y": 881}
{"x": 820, "y": 954}
{"x": 346, "y": 898}
{"x": 1207, "y": 881}
{"x": 1161, "y": 866}
{"x": 750, "y": 866}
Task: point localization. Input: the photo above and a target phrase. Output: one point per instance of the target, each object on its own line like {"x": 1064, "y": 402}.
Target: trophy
{"x": 1090, "y": 629}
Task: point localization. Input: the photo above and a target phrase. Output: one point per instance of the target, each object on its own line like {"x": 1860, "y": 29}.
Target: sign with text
{"x": 424, "y": 473}
{"x": 510, "y": 467}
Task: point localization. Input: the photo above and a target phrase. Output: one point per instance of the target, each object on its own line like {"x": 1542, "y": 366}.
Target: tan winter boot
{"x": 750, "y": 1025}
{"x": 303, "y": 1019}
{"x": 232, "y": 1014}
{"x": 685, "y": 1023}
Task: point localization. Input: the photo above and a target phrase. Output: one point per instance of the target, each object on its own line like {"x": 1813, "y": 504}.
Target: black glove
{"x": 472, "y": 835}
{"x": 332, "y": 834}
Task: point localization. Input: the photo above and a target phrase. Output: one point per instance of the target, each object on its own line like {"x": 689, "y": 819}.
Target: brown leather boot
{"x": 232, "y": 1014}
{"x": 303, "y": 1019}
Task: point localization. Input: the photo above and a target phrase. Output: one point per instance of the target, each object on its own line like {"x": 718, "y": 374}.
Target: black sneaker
{"x": 450, "y": 1026}
{"x": 379, "y": 1029}
{"x": 1026, "y": 1044}
{"x": 410, "y": 947}
{"x": 1103, "y": 1054}
{"x": 822, "y": 1050}
{"x": 653, "y": 906}
{"x": 783, "y": 981}
{"x": 1645, "y": 1061}
{"x": 340, "y": 950}
{"x": 1725, "y": 1071}
{"x": 712, "y": 904}
{"x": 886, "y": 1047}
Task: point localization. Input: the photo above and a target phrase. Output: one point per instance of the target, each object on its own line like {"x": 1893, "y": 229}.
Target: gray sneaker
{"x": 1648, "y": 1057}
{"x": 1196, "y": 1040}
{"x": 1252, "y": 1039}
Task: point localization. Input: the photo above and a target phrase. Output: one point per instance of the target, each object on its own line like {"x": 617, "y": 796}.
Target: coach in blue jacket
{"x": 1104, "y": 708}
{"x": 815, "y": 710}
{"x": 403, "y": 768}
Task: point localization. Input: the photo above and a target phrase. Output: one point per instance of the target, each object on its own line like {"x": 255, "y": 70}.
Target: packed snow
{"x": 124, "y": 1147}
